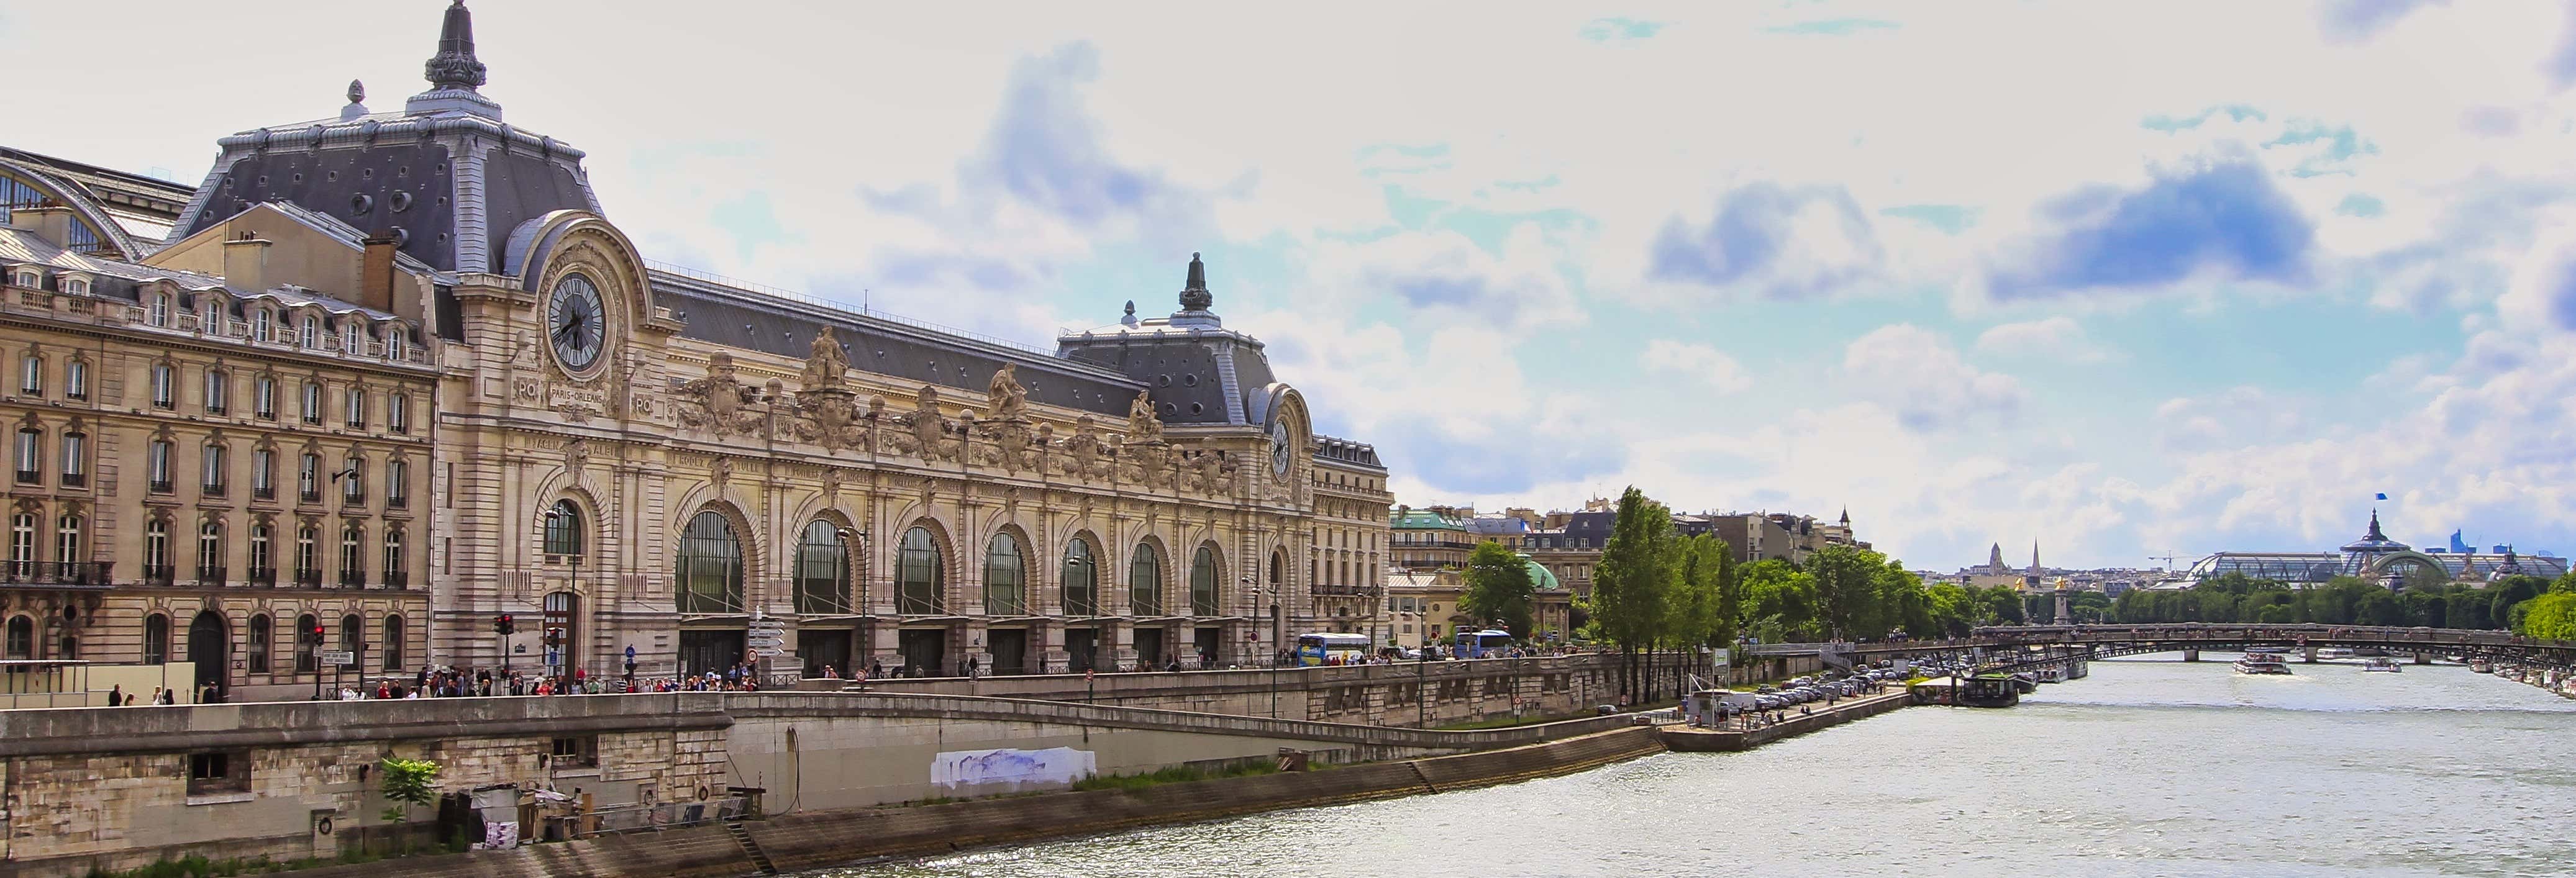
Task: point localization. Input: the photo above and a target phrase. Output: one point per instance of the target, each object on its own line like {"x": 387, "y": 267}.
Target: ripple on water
{"x": 2144, "y": 769}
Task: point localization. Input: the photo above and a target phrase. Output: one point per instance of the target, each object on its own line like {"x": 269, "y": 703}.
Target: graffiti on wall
{"x": 1012, "y": 770}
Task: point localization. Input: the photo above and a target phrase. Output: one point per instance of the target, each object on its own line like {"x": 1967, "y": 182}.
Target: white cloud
{"x": 1695, "y": 362}
{"x": 1923, "y": 378}
{"x": 2058, "y": 338}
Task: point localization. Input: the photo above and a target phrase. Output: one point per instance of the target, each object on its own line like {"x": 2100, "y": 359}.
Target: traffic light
{"x": 505, "y": 626}
{"x": 313, "y": 635}
{"x": 554, "y": 636}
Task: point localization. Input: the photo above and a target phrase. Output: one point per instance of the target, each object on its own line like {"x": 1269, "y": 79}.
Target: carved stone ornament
{"x": 1084, "y": 447}
{"x": 576, "y": 457}
{"x": 1009, "y": 400}
{"x": 718, "y": 402}
{"x": 720, "y": 472}
{"x": 927, "y": 437}
{"x": 827, "y": 416}
{"x": 831, "y": 482}
{"x": 1142, "y": 426}
{"x": 827, "y": 365}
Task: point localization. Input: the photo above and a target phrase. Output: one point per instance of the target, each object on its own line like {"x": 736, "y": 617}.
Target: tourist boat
{"x": 2334, "y": 652}
{"x": 2026, "y": 682}
{"x": 2480, "y": 666}
{"x": 2383, "y": 664}
{"x": 2262, "y": 663}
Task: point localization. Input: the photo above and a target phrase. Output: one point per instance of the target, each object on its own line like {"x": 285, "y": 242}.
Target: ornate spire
{"x": 1194, "y": 293}
{"x": 455, "y": 66}
{"x": 2375, "y": 534}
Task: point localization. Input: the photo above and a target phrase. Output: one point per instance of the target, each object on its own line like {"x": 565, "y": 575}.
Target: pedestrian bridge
{"x": 2107, "y": 641}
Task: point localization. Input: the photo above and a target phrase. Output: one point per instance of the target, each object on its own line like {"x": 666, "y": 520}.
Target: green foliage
{"x": 2344, "y": 600}
{"x": 1499, "y": 589}
{"x": 407, "y": 782}
{"x": 2550, "y": 616}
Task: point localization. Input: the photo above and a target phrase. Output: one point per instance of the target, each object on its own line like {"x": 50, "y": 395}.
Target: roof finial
{"x": 357, "y": 101}
{"x": 1194, "y": 293}
{"x": 1129, "y": 319}
{"x": 2374, "y": 525}
{"x": 455, "y": 66}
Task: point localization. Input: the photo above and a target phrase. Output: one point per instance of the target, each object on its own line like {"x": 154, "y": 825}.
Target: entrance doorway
{"x": 210, "y": 645}
{"x": 922, "y": 650}
{"x": 821, "y": 648}
{"x": 1082, "y": 649}
{"x": 704, "y": 651}
{"x": 1207, "y": 644}
{"x": 1149, "y": 649}
{"x": 1010, "y": 650}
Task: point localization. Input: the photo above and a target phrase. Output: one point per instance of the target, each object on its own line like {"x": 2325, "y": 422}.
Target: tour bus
{"x": 1481, "y": 644}
{"x": 1332, "y": 649}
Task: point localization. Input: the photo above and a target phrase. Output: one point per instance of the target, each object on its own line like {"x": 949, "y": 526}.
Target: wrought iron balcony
{"x": 30, "y": 477}
{"x": 263, "y": 576}
{"x": 80, "y": 573}
{"x": 308, "y": 578}
{"x": 397, "y": 579}
{"x": 160, "y": 486}
{"x": 264, "y": 492}
{"x": 210, "y": 577}
{"x": 353, "y": 579}
{"x": 75, "y": 480}
{"x": 160, "y": 574}
{"x": 211, "y": 489}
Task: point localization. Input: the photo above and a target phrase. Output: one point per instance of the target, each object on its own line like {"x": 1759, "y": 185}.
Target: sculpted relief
{"x": 720, "y": 402}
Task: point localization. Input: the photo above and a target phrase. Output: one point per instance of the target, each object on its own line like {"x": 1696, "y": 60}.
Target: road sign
{"x": 339, "y": 657}
{"x": 554, "y": 656}
{"x": 630, "y": 653}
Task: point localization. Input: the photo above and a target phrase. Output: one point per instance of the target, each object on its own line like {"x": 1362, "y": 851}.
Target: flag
{"x": 2383, "y": 496}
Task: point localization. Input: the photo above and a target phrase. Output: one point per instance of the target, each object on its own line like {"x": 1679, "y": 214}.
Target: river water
{"x": 2146, "y": 768}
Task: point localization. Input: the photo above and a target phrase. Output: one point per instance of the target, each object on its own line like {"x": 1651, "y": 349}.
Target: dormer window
{"x": 213, "y": 308}
{"x": 352, "y": 337}
{"x": 76, "y": 286}
{"x": 394, "y": 343}
{"x": 259, "y": 324}
{"x": 160, "y": 309}
{"x": 308, "y": 333}
{"x": 30, "y": 280}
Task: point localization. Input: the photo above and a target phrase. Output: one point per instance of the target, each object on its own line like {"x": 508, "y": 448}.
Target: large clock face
{"x": 1280, "y": 448}
{"x": 576, "y": 322}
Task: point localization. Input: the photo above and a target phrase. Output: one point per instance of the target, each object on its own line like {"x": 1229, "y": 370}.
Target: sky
{"x": 2119, "y": 280}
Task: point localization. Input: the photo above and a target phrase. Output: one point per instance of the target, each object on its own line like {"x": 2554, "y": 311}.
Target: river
{"x": 2146, "y": 768}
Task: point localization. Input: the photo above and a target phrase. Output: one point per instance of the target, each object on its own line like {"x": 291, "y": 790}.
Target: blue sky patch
{"x": 2170, "y": 124}
{"x": 2360, "y": 205}
{"x": 1951, "y": 219}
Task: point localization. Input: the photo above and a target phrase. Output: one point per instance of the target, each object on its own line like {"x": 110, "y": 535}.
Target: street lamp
{"x": 854, "y": 538}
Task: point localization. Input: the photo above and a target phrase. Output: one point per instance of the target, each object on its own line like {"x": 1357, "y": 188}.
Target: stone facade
{"x": 1350, "y": 540}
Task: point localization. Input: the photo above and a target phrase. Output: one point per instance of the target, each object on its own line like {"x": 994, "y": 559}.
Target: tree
{"x": 1845, "y": 584}
{"x": 407, "y": 783}
{"x": 1630, "y": 582}
{"x": 2550, "y": 616}
{"x": 1730, "y": 596}
{"x": 1499, "y": 589}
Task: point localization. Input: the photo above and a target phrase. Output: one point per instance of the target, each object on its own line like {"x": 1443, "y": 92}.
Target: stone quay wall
{"x": 117, "y": 788}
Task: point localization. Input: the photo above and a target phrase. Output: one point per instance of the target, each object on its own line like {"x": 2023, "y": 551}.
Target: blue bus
{"x": 1332, "y": 649}
{"x": 1481, "y": 644}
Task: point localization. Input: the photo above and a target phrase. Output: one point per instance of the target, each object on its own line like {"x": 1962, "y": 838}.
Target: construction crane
{"x": 2168, "y": 559}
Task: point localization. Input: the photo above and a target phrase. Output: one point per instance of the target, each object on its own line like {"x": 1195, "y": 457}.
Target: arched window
{"x": 31, "y": 456}
{"x": 563, "y": 529}
{"x": 156, "y": 639}
{"x": 1081, "y": 580}
{"x": 822, "y": 570}
{"x": 353, "y": 555}
{"x": 75, "y": 459}
{"x": 1145, "y": 582}
{"x": 353, "y": 636}
{"x": 218, "y": 391}
{"x": 67, "y": 543}
{"x": 710, "y": 566}
{"x": 1003, "y": 580}
{"x": 308, "y": 331}
{"x": 1203, "y": 583}
{"x": 353, "y": 338}
{"x": 306, "y": 659}
{"x": 260, "y": 326}
{"x": 308, "y": 563}
{"x": 397, "y": 574}
{"x": 920, "y": 574}
{"x": 22, "y": 637}
{"x": 263, "y": 566}
{"x": 22, "y": 545}
{"x": 260, "y": 635}
{"x": 393, "y": 647}
{"x": 156, "y": 550}
{"x": 394, "y": 342}
{"x": 160, "y": 309}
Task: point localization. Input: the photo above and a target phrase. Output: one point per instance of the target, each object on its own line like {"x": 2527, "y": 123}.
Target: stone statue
{"x": 1010, "y": 401}
{"x": 1142, "y": 426}
{"x": 826, "y": 365}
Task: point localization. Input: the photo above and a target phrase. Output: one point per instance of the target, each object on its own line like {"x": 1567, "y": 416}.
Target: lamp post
{"x": 1091, "y": 609}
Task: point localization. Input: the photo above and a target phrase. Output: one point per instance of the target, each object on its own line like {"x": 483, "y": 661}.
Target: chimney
{"x": 246, "y": 263}
{"x": 51, "y": 222}
{"x": 376, "y": 274}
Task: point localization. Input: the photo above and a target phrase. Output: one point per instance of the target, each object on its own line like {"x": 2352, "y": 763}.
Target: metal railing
{"x": 641, "y": 816}
{"x": 210, "y": 577}
{"x": 160, "y": 574}
{"x": 55, "y": 572}
{"x": 263, "y": 576}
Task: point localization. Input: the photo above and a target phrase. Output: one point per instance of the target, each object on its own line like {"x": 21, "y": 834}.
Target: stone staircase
{"x": 759, "y": 857}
